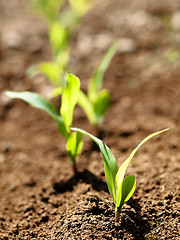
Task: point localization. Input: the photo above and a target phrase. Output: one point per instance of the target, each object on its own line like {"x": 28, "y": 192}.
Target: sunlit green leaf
{"x": 110, "y": 164}
{"x": 122, "y": 169}
{"x": 53, "y": 71}
{"x": 56, "y": 92}
{"x": 37, "y": 101}
{"x": 62, "y": 57}
{"x": 107, "y": 154}
{"x": 49, "y": 8}
{"x": 101, "y": 104}
{"x": 86, "y": 105}
{"x": 125, "y": 190}
{"x": 172, "y": 55}
{"x": 110, "y": 180}
{"x": 80, "y": 7}
{"x": 69, "y": 99}
{"x": 97, "y": 78}
{"x": 58, "y": 37}
{"x": 74, "y": 145}
{"x": 32, "y": 71}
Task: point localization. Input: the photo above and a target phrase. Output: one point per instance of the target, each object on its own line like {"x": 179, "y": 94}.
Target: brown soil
{"x": 40, "y": 197}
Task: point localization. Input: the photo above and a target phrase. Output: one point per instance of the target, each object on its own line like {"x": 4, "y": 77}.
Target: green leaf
{"x": 49, "y": 8}
{"x": 80, "y": 7}
{"x": 56, "y": 92}
{"x": 53, "y": 71}
{"x": 122, "y": 169}
{"x": 74, "y": 145}
{"x": 87, "y": 107}
{"x": 37, "y": 101}
{"x": 110, "y": 164}
{"x": 97, "y": 78}
{"x": 58, "y": 37}
{"x": 32, "y": 71}
{"x": 101, "y": 104}
{"x": 125, "y": 190}
{"x": 62, "y": 58}
{"x": 109, "y": 158}
{"x": 110, "y": 180}
{"x": 69, "y": 99}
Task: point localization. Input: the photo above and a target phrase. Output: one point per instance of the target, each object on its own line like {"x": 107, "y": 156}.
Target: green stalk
{"x": 117, "y": 213}
{"x": 74, "y": 167}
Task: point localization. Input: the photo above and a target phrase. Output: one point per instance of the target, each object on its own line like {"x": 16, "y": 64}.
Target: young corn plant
{"x": 62, "y": 17}
{"x": 62, "y": 22}
{"x": 121, "y": 188}
{"x": 97, "y": 100}
{"x": 64, "y": 120}
{"x": 58, "y": 38}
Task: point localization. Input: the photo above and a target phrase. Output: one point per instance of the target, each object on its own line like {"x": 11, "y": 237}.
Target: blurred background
{"x": 40, "y": 41}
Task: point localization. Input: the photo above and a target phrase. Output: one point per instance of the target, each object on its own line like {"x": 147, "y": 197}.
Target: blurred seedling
{"x": 120, "y": 188}
{"x": 62, "y": 17}
{"x": 172, "y": 55}
{"x": 97, "y": 100}
{"x": 64, "y": 120}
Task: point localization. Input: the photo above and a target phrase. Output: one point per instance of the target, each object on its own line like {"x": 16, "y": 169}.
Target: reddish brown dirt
{"x": 40, "y": 197}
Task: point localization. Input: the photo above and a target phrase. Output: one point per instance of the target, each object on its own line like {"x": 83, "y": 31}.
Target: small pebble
{"x": 175, "y": 21}
{"x": 2, "y": 158}
{"x": 4, "y": 100}
{"x": 126, "y": 45}
{"x": 11, "y": 39}
{"x": 21, "y": 157}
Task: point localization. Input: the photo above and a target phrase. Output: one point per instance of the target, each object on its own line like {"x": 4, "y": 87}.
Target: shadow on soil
{"x": 84, "y": 176}
{"x": 131, "y": 219}
{"x": 133, "y": 222}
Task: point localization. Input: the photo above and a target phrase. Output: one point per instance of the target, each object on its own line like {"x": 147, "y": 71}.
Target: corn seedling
{"x": 64, "y": 120}
{"x": 62, "y": 22}
{"x": 49, "y": 9}
{"x": 97, "y": 100}
{"x": 120, "y": 188}
{"x": 62, "y": 16}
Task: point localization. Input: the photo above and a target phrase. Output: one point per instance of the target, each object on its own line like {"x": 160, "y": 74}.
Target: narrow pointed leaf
{"x": 69, "y": 99}
{"x": 87, "y": 107}
{"x": 32, "y": 71}
{"x": 125, "y": 190}
{"x": 58, "y": 37}
{"x": 74, "y": 145}
{"x": 97, "y": 78}
{"x": 110, "y": 181}
{"x": 80, "y": 7}
{"x": 107, "y": 154}
{"x": 37, "y": 101}
{"x": 101, "y": 104}
{"x": 48, "y": 8}
{"x": 56, "y": 92}
{"x": 110, "y": 164}
{"x": 122, "y": 169}
{"x": 53, "y": 71}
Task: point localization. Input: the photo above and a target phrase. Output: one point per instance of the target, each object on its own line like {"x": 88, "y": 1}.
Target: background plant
{"x": 97, "y": 100}
{"x": 64, "y": 120}
{"x": 120, "y": 188}
{"x": 62, "y": 17}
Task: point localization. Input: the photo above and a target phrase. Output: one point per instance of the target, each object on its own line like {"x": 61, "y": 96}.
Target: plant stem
{"x": 74, "y": 168}
{"x": 117, "y": 213}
